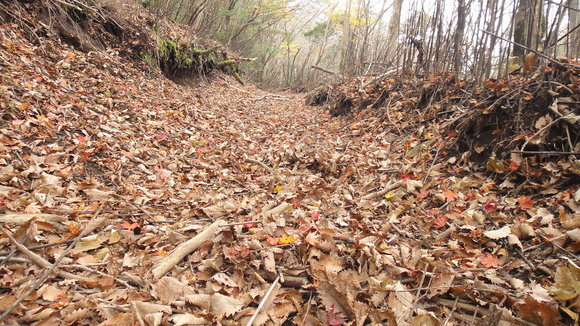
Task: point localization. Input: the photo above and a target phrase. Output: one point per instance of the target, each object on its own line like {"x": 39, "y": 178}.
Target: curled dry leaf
{"x": 499, "y": 233}
{"x": 522, "y": 230}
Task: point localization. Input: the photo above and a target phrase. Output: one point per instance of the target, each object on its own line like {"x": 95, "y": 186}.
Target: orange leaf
{"x": 271, "y": 240}
{"x": 513, "y": 166}
{"x": 161, "y": 253}
{"x": 245, "y": 252}
{"x": 129, "y": 226}
{"x": 450, "y": 195}
{"x": 490, "y": 261}
{"x": 525, "y": 202}
{"x": 74, "y": 228}
{"x": 440, "y": 221}
{"x": 85, "y": 156}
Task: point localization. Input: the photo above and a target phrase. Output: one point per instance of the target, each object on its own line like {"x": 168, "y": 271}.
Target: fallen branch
{"x": 92, "y": 270}
{"x": 382, "y": 192}
{"x": 549, "y": 153}
{"x": 263, "y": 302}
{"x": 91, "y": 226}
{"x": 186, "y": 248}
{"x": 325, "y": 70}
{"x": 539, "y": 132}
{"x": 269, "y": 169}
{"x": 242, "y": 223}
{"x": 377, "y": 79}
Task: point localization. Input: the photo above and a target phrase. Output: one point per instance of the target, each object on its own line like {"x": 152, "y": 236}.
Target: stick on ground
{"x": 186, "y": 248}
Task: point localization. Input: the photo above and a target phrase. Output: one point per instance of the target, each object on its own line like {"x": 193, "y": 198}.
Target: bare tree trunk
{"x": 573, "y": 21}
{"x": 346, "y": 42}
{"x": 459, "y": 35}
{"x": 394, "y": 28}
{"x": 521, "y": 26}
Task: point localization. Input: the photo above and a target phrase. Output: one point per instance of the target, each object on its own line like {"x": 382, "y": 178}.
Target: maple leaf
{"x": 525, "y": 202}
{"x": 129, "y": 226}
{"x": 249, "y": 225}
{"x": 450, "y": 195}
{"x": 271, "y": 240}
{"x": 490, "y": 206}
{"x": 440, "y": 221}
{"x": 85, "y": 156}
{"x": 315, "y": 216}
{"x": 490, "y": 261}
{"x": 286, "y": 239}
{"x": 332, "y": 319}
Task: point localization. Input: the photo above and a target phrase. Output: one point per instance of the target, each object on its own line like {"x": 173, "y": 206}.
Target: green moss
{"x": 225, "y": 62}
{"x": 174, "y": 58}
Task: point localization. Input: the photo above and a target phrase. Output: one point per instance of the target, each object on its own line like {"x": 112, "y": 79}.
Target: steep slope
{"x": 301, "y": 218}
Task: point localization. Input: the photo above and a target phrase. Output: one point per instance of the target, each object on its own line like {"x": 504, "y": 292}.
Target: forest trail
{"x": 304, "y": 218}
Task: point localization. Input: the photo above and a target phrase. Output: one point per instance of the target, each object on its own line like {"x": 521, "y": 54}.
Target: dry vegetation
{"x": 129, "y": 199}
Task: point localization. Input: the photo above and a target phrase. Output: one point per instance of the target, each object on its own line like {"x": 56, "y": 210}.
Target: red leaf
{"x": 490, "y": 206}
{"x": 513, "y": 166}
{"x": 525, "y": 202}
{"x": 315, "y": 216}
{"x": 490, "y": 261}
{"x": 85, "y": 156}
{"x": 332, "y": 319}
{"x": 440, "y": 221}
{"x": 249, "y": 225}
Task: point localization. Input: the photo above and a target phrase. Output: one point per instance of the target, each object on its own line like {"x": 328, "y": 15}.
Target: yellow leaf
{"x": 278, "y": 188}
{"x": 286, "y": 239}
{"x": 389, "y": 195}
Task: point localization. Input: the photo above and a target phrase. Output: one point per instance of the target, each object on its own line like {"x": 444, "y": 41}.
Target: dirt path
{"x": 332, "y": 221}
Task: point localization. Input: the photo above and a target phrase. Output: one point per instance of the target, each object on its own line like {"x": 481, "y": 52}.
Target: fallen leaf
{"x": 333, "y": 320}
{"x": 490, "y": 261}
{"x": 499, "y": 233}
{"x": 525, "y": 202}
{"x": 440, "y": 221}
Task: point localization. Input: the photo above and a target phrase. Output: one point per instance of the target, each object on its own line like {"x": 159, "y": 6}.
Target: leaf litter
{"x": 218, "y": 204}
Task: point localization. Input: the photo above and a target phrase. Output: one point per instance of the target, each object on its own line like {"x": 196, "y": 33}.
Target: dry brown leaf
{"x": 200, "y": 300}
{"x": 188, "y": 319}
{"x": 168, "y": 289}
{"x": 222, "y": 305}
{"x": 523, "y": 230}
{"x": 499, "y": 233}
